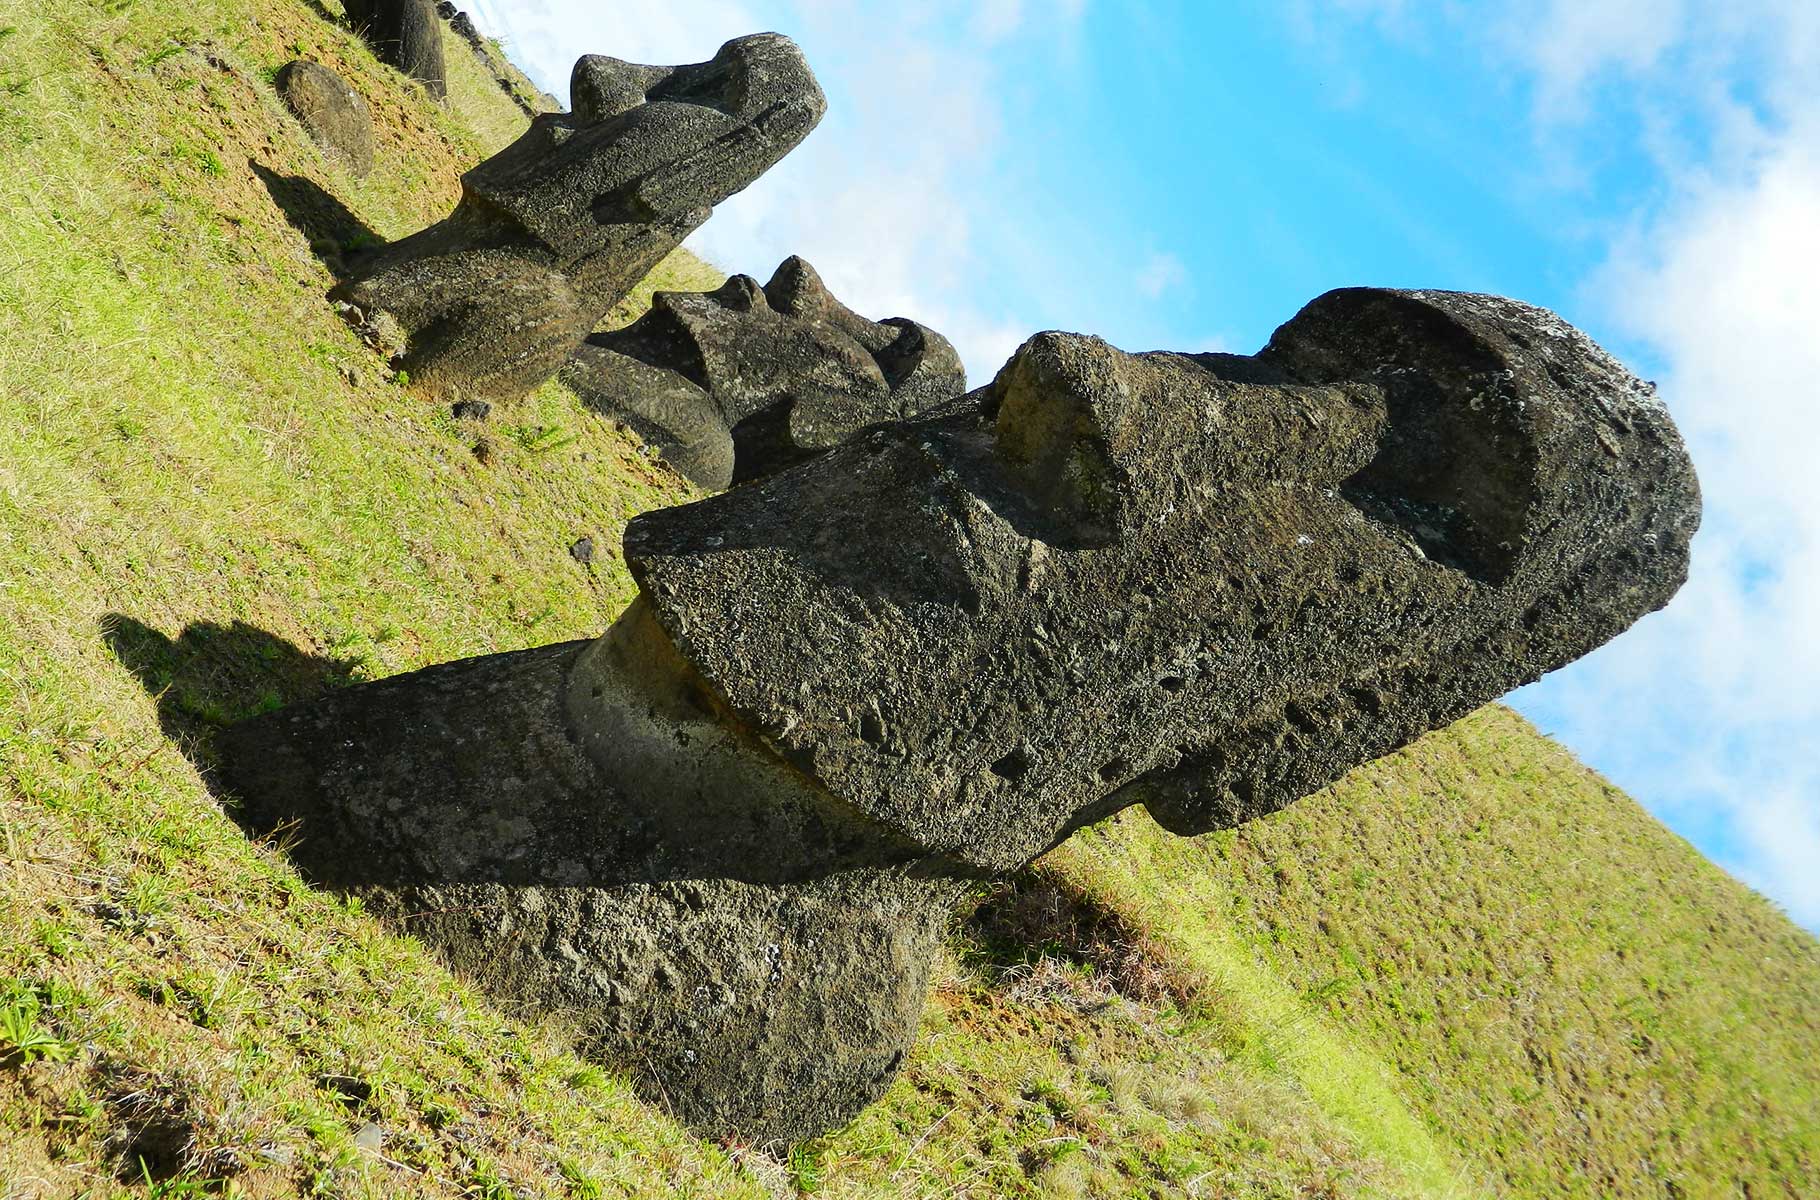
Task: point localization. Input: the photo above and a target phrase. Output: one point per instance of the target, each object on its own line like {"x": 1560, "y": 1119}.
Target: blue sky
{"x": 1186, "y": 175}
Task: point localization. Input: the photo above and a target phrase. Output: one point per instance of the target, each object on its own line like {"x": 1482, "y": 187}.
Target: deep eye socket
{"x": 719, "y": 84}
{"x": 1456, "y": 476}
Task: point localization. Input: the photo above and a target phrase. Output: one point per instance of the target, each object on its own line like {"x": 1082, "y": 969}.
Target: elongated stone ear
{"x": 1457, "y": 469}
{"x": 1523, "y": 468}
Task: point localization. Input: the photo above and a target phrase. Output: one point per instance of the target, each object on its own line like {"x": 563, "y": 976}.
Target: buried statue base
{"x": 727, "y": 835}
{"x": 752, "y": 955}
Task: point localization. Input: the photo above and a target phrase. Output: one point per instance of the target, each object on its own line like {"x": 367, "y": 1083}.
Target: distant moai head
{"x": 743, "y": 381}
{"x": 648, "y": 145}
{"x": 556, "y": 228}
{"x": 1209, "y": 584}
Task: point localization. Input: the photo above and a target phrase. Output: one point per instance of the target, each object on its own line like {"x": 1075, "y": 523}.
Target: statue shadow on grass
{"x": 462, "y": 773}
{"x": 336, "y": 235}
{"x": 211, "y": 676}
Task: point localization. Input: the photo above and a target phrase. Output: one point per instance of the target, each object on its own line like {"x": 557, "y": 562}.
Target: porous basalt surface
{"x": 744, "y": 381}
{"x": 1209, "y": 584}
{"x": 556, "y": 228}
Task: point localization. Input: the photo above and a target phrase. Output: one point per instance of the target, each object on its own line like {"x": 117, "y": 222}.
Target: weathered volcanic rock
{"x": 744, "y": 381}
{"x": 330, "y": 111}
{"x": 1210, "y": 584}
{"x": 406, "y": 34}
{"x": 555, "y": 229}
{"x": 727, "y": 834}
{"x": 578, "y": 832}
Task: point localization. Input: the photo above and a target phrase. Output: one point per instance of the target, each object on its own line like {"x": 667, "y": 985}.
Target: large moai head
{"x": 556, "y": 228}
{"x": 724, "y": 838}
{"x": 742, "y": 381}
{"x": 1209, "y": 584}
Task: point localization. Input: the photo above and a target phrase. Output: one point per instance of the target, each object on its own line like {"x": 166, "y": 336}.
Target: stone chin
{"x": 576, "y": 828}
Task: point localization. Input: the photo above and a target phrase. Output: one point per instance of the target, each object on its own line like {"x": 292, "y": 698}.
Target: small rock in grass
{"x": 370, "y": 1137}
{"x": 330, "y": 111}
{"x": 471, "y": 410}
{"x": 583, "y": 550}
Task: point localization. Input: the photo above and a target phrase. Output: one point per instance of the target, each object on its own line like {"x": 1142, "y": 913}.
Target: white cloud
{"x": 1697, "y": 50}
{"x": 1710, "y": 710}
{"x": 1572, "y": 41}
{"x": 1160, "y": 273}
{"x": 1724, "y": 288}
{"x": 547, "y": 36}
{"x": 994, "y": 20}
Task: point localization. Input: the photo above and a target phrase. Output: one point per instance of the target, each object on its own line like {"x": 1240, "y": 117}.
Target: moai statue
{"x": 726, "y": 836}
{"x": 743, "y": 381}
{"x": 406, "y": 34}
{"x": 556, "y": 228}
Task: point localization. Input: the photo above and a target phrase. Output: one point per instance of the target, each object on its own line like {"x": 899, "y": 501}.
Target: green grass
{"x": 1471, "y": 969}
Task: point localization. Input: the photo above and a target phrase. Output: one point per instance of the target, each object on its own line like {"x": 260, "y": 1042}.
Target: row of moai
{"x": 928, "y": 632}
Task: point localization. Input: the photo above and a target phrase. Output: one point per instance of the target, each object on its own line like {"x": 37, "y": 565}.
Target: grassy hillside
{"x": 1471, "y": 969}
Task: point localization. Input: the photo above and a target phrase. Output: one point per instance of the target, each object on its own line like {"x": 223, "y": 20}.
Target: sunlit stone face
{"x": 556, "y": 228}
{"x": 651, "y": 144}
{"x": 724, "y": 838}
{"x": 1209, "y": 584}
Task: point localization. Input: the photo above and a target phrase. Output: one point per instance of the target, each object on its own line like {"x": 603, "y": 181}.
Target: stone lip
{"x": 559, "y": 226}
{"x": 751, "y": 956}
{"x": 1206, "y": 583}
{"x": 741, "y": 382}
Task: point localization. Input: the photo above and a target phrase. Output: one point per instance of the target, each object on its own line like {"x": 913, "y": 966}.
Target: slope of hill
{"x": 1470, "y": 969}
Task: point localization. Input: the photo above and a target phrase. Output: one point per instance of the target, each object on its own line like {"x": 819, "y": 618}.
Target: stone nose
{"x": 601, "y": 87}
{"x": 1107, "y": 442}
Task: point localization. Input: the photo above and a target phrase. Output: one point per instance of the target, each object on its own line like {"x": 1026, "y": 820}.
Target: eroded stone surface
{"x": 726, "y": 836}
{"x": 1209, "y": 584}
{"x": 556, "y": 228}
{"x": 330, "y": 111}
{"x": 743, "y": 381}
{"x": 576, "y": 832}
